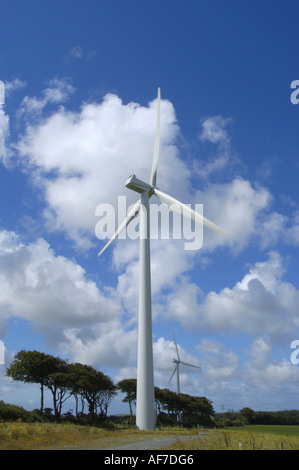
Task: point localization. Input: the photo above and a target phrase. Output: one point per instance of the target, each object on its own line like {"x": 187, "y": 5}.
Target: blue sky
{"x": 81, "y": 82}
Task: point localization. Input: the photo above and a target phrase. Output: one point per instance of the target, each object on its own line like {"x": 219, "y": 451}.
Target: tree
{"x": 128, "y": 386}
{"x": 33, "y": 367}
{"x": 105, "y": 397}
{"x": 75, "y": 373}
{"x": 58, "y": 383}
{"x": 168, "y": 401}
{"x": 196, "y": 410}
{"x": 184, "y": 408}
{"x": 248, "y": 413}
{"x": 95, "y": 387}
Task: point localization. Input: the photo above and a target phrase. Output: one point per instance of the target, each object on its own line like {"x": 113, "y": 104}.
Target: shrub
{"x": 12, "y": 412}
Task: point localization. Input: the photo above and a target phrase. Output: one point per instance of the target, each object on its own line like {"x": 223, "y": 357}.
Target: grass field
{"x": 22, "y": 436}
{"x": 258, "y": 437}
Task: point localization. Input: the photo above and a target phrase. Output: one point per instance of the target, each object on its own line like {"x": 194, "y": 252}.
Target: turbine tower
{"x": 177, "y": 367}
{"x": 145, "y": 407}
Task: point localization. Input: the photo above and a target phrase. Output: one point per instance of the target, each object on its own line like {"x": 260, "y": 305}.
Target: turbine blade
{"x": 181, "y": 208}
{"x": 157, "y": 143}
{"x": 190, "y": 365}
{"x": 131, "y": 215}
{"x": 176, "y": 346}
{"x": 172, "y": 374}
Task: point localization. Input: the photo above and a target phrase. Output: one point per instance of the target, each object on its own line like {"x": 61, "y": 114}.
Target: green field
{"x": 254, "y": 437}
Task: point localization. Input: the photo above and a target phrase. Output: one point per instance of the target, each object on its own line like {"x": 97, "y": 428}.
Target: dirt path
{"x": 132, "y": 442}
{"x": 152, "y": 443}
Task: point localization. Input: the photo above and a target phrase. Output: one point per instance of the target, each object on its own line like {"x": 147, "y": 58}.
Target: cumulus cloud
{"x": 220, "y": 363}
{"x": 264, "y": 370}
{"x": 245, "y": 375}
{"x": 238, "y": 207}
{"x": 260, "y": 302}
{"x": 82, "y": 158}
{"x": 109, "y": 344}
{"x": 52, "y": 292}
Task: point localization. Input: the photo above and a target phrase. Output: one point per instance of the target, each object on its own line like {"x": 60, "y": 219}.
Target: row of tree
{"x": 83, "y": 382}
{"x": 248, "y": 416}
{"x": 90, "y": 386}
{"x": 172, "y": 407}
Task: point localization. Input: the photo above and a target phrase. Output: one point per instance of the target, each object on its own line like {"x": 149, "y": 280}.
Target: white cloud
{"x": 83, "y": 159}
{"x": 183, "y": 304}
{"x": 58, "y": 91}
{"x": 272, "y": 228}
{"x": 13, "y": 85}
{"x": 264, "y": 370}
{"x": 260, "y": 302}
{"x": 109, "y": 344}
{"x": 51, "y": 291}
{"x": 214, "y": 130}
{"x": 237, "y": 207}
{"x": 249, "y": 377}
{"x": 219, "y": 363}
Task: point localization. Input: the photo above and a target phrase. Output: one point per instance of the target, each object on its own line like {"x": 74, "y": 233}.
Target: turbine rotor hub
{"x": 138, "y": 185}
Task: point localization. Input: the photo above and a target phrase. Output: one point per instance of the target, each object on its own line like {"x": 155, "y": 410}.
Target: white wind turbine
{"x": 177, "y": 367}
{"x": 145, "y": 408}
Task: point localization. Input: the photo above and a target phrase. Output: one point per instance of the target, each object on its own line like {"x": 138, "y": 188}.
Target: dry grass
{"x": 35, "y": 436}
{"x": 38, "y": 436}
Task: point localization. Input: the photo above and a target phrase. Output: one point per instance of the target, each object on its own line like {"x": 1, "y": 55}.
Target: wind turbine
{"x": 177, "y": 367}
{"x": 145, "y": 408}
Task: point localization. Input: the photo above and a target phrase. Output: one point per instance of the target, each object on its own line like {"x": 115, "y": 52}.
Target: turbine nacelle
{"x": 138, "y": 185}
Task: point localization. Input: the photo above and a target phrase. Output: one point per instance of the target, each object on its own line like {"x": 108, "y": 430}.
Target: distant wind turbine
{"x": 177, "y": 367}
{"x": 145, "y": 408}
